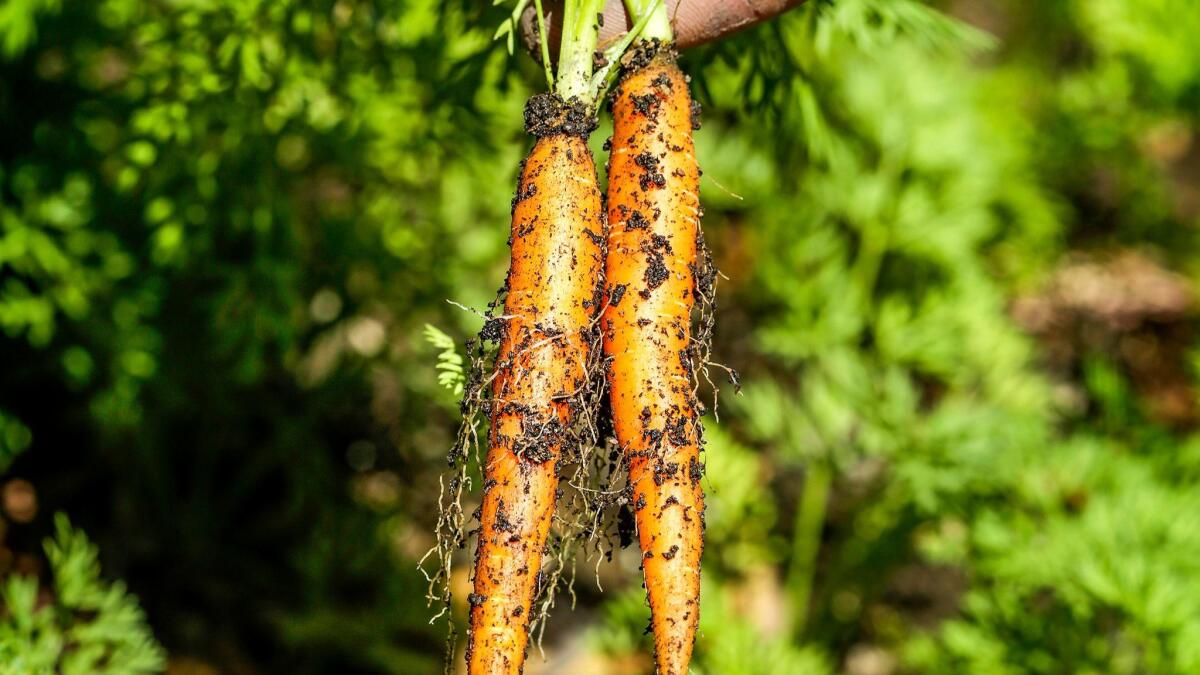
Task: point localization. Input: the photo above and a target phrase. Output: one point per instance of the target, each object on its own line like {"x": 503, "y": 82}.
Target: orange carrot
{"x": 654, "y": 214}
{"x": 543, "y": 370}
{"x": 557, "y": 254}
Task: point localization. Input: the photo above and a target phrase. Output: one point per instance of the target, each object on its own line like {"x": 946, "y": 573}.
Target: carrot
{"x": 557, "y": 256}
{"x": 554, "y": 287}
{"x": 651, "y": 286}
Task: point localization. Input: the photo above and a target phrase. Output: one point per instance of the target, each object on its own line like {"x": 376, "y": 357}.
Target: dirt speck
{"x": 618, "y": 292}
{"x": 651, "y": 175}
{"x": 656, "y": 273}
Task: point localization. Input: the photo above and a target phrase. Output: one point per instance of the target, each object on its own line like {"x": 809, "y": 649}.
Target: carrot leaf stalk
{"x": 509, "y": 25}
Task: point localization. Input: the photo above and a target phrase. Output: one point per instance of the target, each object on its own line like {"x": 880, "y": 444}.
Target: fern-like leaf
{"x": 450, "y": 366}
{"x": 90, "y": 627}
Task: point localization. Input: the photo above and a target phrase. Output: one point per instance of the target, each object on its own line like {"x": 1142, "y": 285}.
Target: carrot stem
{"x": 603, "y": 79}
{"x": 580, "y": 30}
{"x": 658, "y": 21}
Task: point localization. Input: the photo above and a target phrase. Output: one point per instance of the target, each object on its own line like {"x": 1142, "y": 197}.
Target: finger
{"x": 694, "y": 21}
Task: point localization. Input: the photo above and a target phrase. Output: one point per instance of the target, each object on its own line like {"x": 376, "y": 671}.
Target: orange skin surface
{"x": 653, "y": 211}
{"x": 552, "y": 301}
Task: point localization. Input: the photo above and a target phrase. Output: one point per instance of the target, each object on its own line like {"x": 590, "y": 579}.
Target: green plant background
{"x": 961, "y": 249}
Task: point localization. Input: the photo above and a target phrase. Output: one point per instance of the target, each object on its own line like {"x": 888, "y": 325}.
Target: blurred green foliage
{"x": 88, "y": 628}
{"x": 961, "y": 248}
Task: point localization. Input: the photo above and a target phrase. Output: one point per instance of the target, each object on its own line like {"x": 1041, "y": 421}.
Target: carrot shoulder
{"x": 552, "y": 299}
{"x": 653, "y": 211}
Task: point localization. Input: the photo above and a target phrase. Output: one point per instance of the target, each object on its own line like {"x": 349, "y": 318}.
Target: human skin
{"x": 693, "y": 21}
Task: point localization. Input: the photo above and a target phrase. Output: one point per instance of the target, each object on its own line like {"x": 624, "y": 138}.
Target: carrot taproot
{"x": 543, "y": 370}
{"x": 557, "y": 258}
{"x": 651, "y": 285}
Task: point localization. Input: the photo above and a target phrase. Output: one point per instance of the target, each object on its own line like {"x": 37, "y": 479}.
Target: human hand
{"x": 694, "y": 21}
